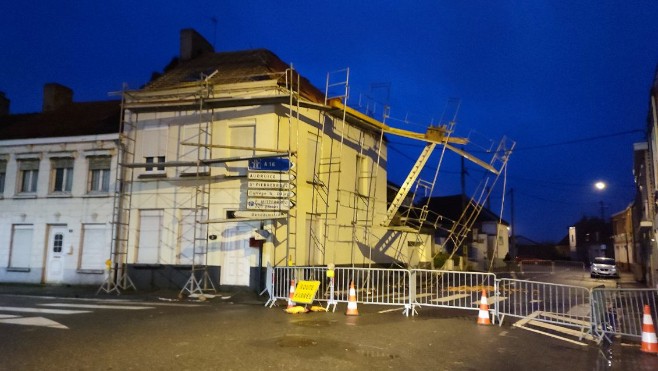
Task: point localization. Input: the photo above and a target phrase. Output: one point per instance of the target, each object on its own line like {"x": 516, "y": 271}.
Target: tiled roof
{"x": 231, "y": 67}
{"x": 75, "y": 119}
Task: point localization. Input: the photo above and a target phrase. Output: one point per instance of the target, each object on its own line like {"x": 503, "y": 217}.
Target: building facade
{"x": 56, "y": 177}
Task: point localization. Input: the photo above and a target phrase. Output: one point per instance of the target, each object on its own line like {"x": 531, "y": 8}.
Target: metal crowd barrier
{"x": 575, "y": 310}
{"x": 620, "y": 311}
{"x": 371, "y": 285}
{"x": 539, "y": 303}
{"x": 452, "y": 289}
{"x": 536, "y": 266}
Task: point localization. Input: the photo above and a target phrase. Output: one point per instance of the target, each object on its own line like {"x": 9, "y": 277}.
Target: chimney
{"x": 56, "y": 96}
{"x": 192, "y": 44}
{"x": 4, "y": 104}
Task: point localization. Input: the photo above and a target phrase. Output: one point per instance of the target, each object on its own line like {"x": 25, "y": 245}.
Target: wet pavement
{"x": 233, "y": 330}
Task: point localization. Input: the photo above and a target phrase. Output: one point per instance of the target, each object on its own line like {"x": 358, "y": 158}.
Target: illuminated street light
{"x": 600, "y": 185}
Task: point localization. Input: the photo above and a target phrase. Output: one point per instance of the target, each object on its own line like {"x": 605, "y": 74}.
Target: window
{"x": 154, "y": 147}
{"x": 29, "y": 172}
{"x": 21, "y": 244}
{"x": 3, "y": 171}
{"x": 154, "y": 160}
{"x": 242, "y": 139}
{"x": 62, "y": 175}
{"x": 363, "y": 176}
{"x": 94, "y": 251}
{"x": 99, "y": 174}
{"x": 148, "y": 249}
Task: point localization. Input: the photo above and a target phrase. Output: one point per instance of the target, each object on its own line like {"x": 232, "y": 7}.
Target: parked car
{"x": 603, "y": 267}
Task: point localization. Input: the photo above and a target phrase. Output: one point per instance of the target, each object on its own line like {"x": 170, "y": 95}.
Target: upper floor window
{"x": 99, "y": 174}
{"x": 28, "y": 175}
{"x": 3, "y": 172}
{"x": 154, "y": 160}
{"x": 154, "y": 147}
{"x": 62, "y": 175}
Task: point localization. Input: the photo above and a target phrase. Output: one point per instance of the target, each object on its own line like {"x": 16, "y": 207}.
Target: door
{"x": 56, "y": 254}
{"x": 237, "y": 257}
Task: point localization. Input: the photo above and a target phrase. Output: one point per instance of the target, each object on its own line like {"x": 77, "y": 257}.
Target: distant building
{"x": 649, "y": 251}
{"x": 623, "y": 238}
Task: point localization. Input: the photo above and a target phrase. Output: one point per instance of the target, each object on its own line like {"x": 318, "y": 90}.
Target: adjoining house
{"x": 56, "y": 177}
{"x": 486, "y": 243}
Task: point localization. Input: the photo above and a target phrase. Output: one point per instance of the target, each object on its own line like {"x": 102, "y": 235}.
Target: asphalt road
{"x": 155, "y": 331}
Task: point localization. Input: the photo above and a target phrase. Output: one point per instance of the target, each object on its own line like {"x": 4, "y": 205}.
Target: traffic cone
{"x": 649, "y": 341}
{"x": 291, "y": 304}
{"x": 483, "y": 315}
{"x": 351, "y": 302}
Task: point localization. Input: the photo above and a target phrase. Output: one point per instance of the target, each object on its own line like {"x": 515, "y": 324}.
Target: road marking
{"x": 33, "y": 321}
{"x": 95, "y": 306}
{"x": 40, "y": 310}
{"x": 390, "y": 310}
{"x": 444, "y": 299}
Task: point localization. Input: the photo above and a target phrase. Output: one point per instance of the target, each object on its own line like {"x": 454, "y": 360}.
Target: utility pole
{"x": 513, "y": 237}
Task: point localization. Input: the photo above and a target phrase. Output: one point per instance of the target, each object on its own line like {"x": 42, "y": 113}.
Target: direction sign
{"x": 258, "y": 214}
{"x": 268, "y": 204}
{"x": 268, "y": 176}
{"x": 268, "y": 185}
{"x": 270, "y": 164}
{"x": 271, "y": 193}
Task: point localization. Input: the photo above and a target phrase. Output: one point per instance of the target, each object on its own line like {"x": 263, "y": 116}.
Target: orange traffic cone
{"x": 483, "y": 315}
{"x": 351, "y": 302}
{"x": 291, "y": 303}
{"x": 649, "y": 341}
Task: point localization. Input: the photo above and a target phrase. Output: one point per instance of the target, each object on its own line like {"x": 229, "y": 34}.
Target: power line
{"x": 580, "y": 140}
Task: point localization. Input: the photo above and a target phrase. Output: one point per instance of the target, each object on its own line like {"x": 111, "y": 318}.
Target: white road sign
{"x": 271, "y": 193}
{"x": 268, "y": 204}
{"x": 267, "y": 185}
{"x": 269, "y": 176}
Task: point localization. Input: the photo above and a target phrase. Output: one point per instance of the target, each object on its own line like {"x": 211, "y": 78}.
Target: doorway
{"x": 56, "y": 254}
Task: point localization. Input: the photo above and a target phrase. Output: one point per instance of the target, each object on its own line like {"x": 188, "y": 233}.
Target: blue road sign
{"x": 270, "y": 164}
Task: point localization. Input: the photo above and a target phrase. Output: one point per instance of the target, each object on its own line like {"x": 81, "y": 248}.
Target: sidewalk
{"x": 91, "y": 292}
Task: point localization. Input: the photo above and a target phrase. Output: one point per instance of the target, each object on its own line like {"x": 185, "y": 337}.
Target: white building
{"x": 56, "y": 177}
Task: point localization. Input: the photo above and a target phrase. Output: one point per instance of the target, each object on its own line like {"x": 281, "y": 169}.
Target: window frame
{"x": 98, "y": 174}
{"x": 61, "y": 175}
{"x": 31, "y": 172}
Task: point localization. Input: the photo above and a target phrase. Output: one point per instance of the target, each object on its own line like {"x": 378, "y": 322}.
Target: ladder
{"x": 117, "y": 278}
{"x": 200, "y": 280}
{"x": 408, "y": 183}
{"x": 463, "y": 226}
{"x": 327, "y": 168}
{"x": 292, "y": 220}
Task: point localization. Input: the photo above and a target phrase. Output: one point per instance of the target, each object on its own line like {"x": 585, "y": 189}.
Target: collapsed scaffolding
{"x": 330, "y": 197}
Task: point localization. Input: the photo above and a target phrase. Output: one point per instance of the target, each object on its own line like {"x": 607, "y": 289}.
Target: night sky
{"x": 567, "y": 80}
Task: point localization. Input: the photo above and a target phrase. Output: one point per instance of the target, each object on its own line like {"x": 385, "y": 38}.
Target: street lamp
{"x": 600, "y": 186}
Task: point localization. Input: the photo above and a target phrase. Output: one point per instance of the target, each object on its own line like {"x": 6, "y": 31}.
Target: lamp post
{"x": 600, "y": 186}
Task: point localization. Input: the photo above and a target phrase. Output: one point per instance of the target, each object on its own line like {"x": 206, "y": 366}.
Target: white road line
{"x": 40, "y": 310}
{"x": 34, "y": 321}
{"x": 95, "y": 306}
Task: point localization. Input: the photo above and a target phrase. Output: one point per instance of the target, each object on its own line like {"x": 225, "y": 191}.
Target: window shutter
{"x": 29, "y": 165}
{"x": 99, "y": 163}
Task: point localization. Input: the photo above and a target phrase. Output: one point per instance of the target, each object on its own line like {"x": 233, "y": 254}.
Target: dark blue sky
{"x": 567, "y": 80}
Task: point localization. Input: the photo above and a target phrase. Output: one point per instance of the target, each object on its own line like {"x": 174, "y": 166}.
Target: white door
{"x": 56, "y": 254}
{"x": 237, "y": 255}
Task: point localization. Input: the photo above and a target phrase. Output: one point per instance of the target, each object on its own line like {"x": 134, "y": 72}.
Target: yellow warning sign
{"x": 305, "y": 292}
